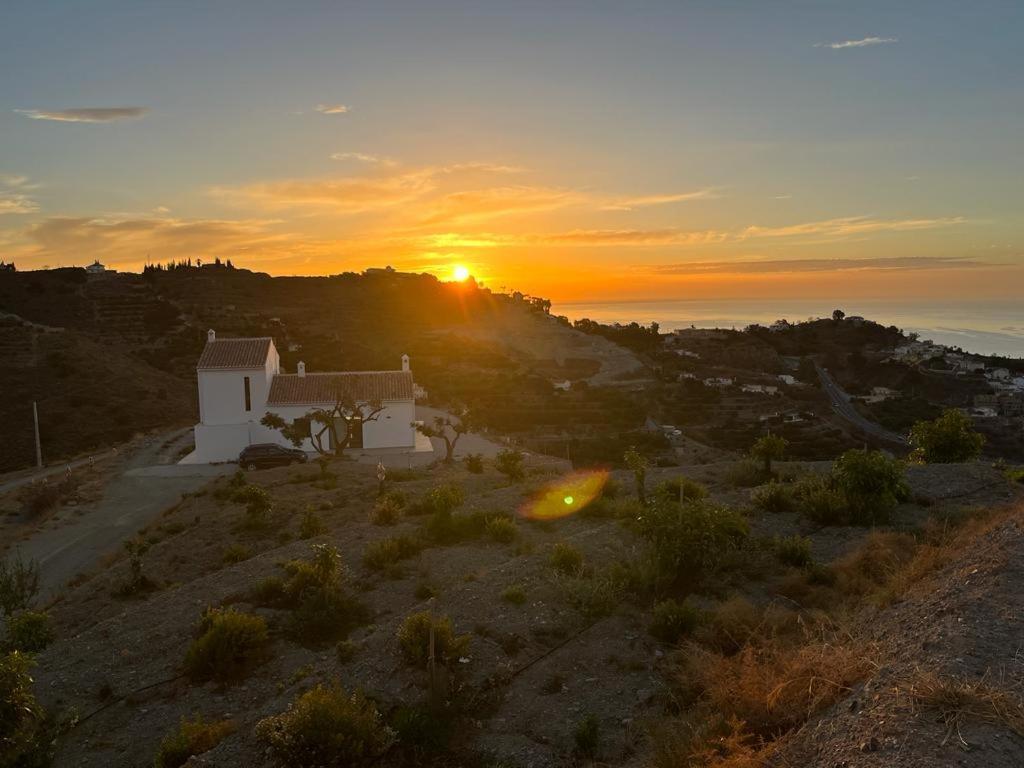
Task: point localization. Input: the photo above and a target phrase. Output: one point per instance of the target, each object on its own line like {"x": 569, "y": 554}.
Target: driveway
{"x": 468, "y": 443}
{"x": 77, "y": 538}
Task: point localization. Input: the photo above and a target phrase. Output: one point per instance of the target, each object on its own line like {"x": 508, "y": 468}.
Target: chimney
{"x": 405, "y": 362}
{"x": 211, "y": 335}
{"x": 301, "y": 368}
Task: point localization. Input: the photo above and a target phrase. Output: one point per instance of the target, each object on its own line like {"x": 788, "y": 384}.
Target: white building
{"x": 240, "y": 381}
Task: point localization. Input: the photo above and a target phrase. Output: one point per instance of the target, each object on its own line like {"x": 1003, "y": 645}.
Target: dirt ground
{"x": 531, "y": 674}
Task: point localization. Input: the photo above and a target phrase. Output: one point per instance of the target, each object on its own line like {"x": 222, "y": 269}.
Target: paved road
{"x": 841, "y": 405}
{"x": 76, "y": 539}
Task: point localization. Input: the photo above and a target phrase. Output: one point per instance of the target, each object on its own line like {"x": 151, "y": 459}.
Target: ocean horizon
{"x": 981, "y": 327}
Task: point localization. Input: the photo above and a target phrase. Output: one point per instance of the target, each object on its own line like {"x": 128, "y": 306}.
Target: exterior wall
{"x": 393, "y": 427}
{"x": 222, "y": 396}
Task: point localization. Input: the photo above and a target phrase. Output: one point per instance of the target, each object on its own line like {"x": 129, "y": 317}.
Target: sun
{"x": 460, "y": 273}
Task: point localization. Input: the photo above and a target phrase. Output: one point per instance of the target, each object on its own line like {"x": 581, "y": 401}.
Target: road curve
{"x": 841, "y": 404}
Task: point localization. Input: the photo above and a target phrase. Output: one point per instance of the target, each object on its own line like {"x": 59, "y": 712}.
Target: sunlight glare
{"x": 460, "y": 273}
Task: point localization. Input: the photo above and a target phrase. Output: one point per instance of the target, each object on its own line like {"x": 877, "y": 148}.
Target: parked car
{"x": 263, "y": 455}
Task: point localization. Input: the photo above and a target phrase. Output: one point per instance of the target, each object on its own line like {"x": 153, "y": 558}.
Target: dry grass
{"x": 959, "y": 701}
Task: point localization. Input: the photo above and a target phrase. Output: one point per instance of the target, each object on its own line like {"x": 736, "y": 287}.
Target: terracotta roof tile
{"x": 324, "y": 388}
{"x": 235, "y": 353}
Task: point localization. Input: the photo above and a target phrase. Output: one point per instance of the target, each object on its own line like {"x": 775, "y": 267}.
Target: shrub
{"x": 29, "y": 631}
{"x": 386, "y": 553}
{"x": 326, "y": 726}
{"x": 587, "y": 737}
{"x": 386, "y": 511}
{"x": 767, "y": 449}
{"x": 414, "y": 639}
{"x": 681, "y": 489}
{"x": 793, "y": 550}
{"x": 41, "y": 496}
{"x": 773, "y": 497}
{"x": 673, "y": 621}
{"x": 946, "y": 440}
{"x": 818, "y": 500}
{"x": 510, "y": 463}
{"x": 423, "y": 730}
{"x": 871, "y": 483}
{"x": 321, "y": 608}
{"x": 474, "y": 462}
{"x": 424, "y": 592}
{"x": 593, "y": 596}
{"x": 137, "y": 581}
{"x": 346, "y": 651}
{"x": 312, "y": 525}
{"x": 236, "y": 553}
{"x": 566, "y": 559}
{"x": 229, "y": 644}
{"x": 737, "y": 622}
{"x": 442, "y": 499}
{"x": 637, "y": 464}
{"x": 192, "y": 737}
{"x": 502, "y": 529}
{"x": 257, "y": 506}
{"x": 23, "y": 738}
{"x": 268, "y": 591}
{"x": 690, "y": 540}
{"x": 514, "y": 594}
{"x": 19, "y": 583}
{"x": 746, "y": 474}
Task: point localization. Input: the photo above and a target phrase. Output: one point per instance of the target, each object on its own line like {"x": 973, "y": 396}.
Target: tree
{"x": 946, "y": 440}
{"x": 638, "y": 464}
{"x": 447, "y": 428}
{"x": 321, "y": 422}
{"x": 769, "y": 448}
{"x": 838, "y": 314}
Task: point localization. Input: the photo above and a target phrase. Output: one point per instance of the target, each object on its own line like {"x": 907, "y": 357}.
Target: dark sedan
{"x": 263, "y": 455}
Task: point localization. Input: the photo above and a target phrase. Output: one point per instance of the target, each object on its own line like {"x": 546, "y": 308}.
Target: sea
{"x": 982, "y": 327}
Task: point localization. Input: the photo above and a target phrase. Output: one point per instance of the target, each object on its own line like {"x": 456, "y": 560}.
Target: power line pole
{"x": 39, "y": 448}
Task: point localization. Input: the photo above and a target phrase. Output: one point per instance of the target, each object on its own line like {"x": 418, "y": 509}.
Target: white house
{"x": 240, "y": 381}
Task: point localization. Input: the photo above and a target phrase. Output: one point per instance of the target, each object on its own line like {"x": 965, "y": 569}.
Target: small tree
{"x": 838, "y": 314}
{"x": 871, "y": 483}
{"x": 510, "y": 463}
{"x": 769, "y": 448}
{"x": 447, "y": 428}
{"x": 321, "y": 423}
{"x": 19, "y": 584}
{"x": 946, "y": 440}
{"x": 638, "y": 464}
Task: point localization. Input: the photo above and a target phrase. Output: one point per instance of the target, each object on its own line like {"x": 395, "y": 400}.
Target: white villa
{"x": 240, "y": 381}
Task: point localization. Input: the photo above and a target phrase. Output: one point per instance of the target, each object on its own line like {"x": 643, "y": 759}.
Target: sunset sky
{"x": 581, "y": 151}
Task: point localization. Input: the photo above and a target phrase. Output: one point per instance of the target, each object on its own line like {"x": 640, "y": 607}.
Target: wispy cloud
{"x": 85, "y": 114}
{"x": 898, "y": 263}
{"x": 580, "y": 237}
{"x": 13, "y": 199}
{"x": 364, "y": 157}
{"x": 850, "y": 226}
{"x": 864, "y": 42}
{"x": 332, "y": 109}
{"x": 643, "y": 201}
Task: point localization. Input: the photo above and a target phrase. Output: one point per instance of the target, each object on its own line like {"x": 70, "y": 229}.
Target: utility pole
{"x": 39, "y": 448}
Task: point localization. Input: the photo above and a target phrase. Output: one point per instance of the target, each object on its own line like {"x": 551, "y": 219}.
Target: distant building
{"x": 98, "y": 269}
{"x": 789, "y": 381}
{"x": 762, "y": 389}
{"x": 718, "y": 381}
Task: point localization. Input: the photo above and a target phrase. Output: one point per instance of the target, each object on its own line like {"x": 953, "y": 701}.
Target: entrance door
{"x": 354, "y": 425}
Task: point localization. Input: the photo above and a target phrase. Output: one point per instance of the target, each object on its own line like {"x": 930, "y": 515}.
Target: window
{"x": 248, "y": 395}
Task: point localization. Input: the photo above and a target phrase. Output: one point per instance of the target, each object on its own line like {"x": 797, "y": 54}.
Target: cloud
{"x": 864, "y": 42}
{"x": 581, "y": 237}
{"x": 332, "y": 109}
{"x": 849, "y": 226}
{"x": 85, "y": 114}
{"x": 643, "y": 201}
{"x": 363, "y": 157}
{"x": 898, "y": 263}
{"x": 13, "y": 200}
{"x": 493, "y": 202}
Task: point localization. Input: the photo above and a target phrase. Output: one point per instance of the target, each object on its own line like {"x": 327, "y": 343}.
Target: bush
{"x": 510, "y": 463}
{"x": 19, "y": 583}
{"x": 474, "y": 462}
{"x": 502, "y": 529}
{"x": 321, "y": 608}
{"x": 414, "y": 639}
{"x": 384, "y": 554}
{"x": 346, "y": 650}
{"x": 229, "y": 644}
{"x": 423, "y": 730}
{"x": 818, "y": 500}
{"x": 312, "y": 525}
{"x": 41, "y": 496}
{"x": 681, "y": 489}
{"x": 946, "y": 440}
{"x": 386, "y": 511}
{"x": 673, "y": 621}
{"x": 746, "y": 474}
{"x": 326, "y": 726}
{"x": 689, "y": 540}
{"x": 774, "y": 497}
{"x": 23, "y": 738}
{"x": 29, "y": 631}
{"x": 514, "y": 594}
{"x": 257, "y": 506}
{"x": 737, "y": 622}
{"x": 871, "y": 483}
{"x": 793, "y": 550}
{"x": 593, "y": 596}
{"x": 192, "y": 737}
{"x": 566, "y": 559}
{"x": 236, "y": 553}
{"x": 440, "y": 500}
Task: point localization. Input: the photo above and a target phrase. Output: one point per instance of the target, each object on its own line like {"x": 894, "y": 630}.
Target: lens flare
{"x": 566, "y": 496}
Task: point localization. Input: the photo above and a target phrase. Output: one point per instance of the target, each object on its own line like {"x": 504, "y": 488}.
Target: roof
{"x": 227, "y": 354}
{"x": 326, "y": 388}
